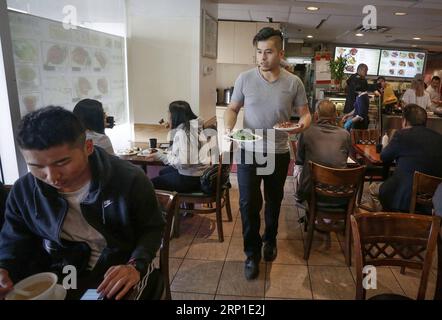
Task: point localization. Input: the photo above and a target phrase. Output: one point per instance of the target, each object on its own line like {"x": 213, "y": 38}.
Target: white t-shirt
{"x": 434, "y": 95}
{"x": 423, "y": 101}
{"x": 100, "y": 140}
{"x": 76, "y": 228}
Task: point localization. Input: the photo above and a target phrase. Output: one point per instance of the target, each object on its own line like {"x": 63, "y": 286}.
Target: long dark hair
{"x": 181, "y": 113}
{"x": 91, "y": 114}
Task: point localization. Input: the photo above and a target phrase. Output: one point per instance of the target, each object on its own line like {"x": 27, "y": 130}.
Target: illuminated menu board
{"x": 404, "y": 64}
{"x": 355, "y": 56}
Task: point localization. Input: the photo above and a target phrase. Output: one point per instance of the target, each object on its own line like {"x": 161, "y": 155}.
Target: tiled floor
{"x": 203, "y": 268}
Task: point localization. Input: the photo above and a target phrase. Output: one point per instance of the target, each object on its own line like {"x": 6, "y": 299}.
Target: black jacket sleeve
{"x": 147, "y": 218}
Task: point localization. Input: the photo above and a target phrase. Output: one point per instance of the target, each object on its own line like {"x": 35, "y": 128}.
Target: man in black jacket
{"x": 78, "y": 206}
{"x": 414, "y": 148}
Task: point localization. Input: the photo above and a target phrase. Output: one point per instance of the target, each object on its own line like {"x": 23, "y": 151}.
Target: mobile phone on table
{"x": 91, "y": 294}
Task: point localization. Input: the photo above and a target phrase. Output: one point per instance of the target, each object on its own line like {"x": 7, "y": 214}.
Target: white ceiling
{"x": 342, "y": 17}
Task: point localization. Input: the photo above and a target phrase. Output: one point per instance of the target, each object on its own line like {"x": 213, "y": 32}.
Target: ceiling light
{"x": 400, "y": 13}
{"x": 359, "y": 35}
{"x": 309, "y": 36}
{"x": 312, "y": 8}
{"x": 414, "y": 45}
{"x": 416, "y": 38}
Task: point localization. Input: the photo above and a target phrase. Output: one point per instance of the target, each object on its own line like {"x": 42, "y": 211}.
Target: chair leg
{"x": 311, "y": 229}
{"x": 176, "y": 221}
{"x": 228, "y": 207}
{"x": 402, "y": 270}
{"x": 360, "y": 192}
{"x": 219, "y": 223}
{"x": 348, "y": 238}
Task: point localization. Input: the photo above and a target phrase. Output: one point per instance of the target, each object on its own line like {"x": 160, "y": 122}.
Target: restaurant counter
{"x": 395, "y": 122}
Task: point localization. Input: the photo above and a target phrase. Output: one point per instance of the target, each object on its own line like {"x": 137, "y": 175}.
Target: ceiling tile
{"x": 234, "y": 15}
{"x": 262, "y": 16}
{"x": 306, "y": 20}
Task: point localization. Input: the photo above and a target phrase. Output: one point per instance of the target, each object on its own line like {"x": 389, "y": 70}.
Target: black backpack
{"x": 209, "y": 178}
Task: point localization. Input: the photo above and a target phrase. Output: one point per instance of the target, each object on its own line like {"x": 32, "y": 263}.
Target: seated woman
{"x": 185, "y": 165}
{"x": 91, "y": 114}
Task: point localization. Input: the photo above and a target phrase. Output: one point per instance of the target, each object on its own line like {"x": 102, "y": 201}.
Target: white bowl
{"x": 47, "y": 294}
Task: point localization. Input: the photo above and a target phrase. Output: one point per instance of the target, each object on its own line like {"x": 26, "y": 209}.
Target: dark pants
{"x": 250, "y": 202}
{"x": 170, "y": 179}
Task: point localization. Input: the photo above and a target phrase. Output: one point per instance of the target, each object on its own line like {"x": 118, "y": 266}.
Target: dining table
{"x": 368, "y": 153}
{"x": 141, "y": 160}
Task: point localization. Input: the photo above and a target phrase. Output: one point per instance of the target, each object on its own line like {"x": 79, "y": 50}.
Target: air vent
{"x": 378, "y": 29}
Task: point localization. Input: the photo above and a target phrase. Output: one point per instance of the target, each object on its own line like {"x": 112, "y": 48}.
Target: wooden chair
{"x": 372, "y": 173}
{"x": 167, "y": 201}
{"x": 333, "y": 197}
{"x": 394, "y": 239}
{"x": 424, "y": 187}
{"x": 221, "y": 199}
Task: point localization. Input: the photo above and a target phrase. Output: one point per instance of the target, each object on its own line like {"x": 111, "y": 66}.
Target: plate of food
{"x": 243, "y": 135}
{"x": 286, "y": 126}
{"x": 129, "y": 151}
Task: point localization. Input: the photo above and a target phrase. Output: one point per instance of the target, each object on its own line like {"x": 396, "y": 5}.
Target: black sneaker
{"x": 270, "y": 251}
{"x": 251, "y": 268}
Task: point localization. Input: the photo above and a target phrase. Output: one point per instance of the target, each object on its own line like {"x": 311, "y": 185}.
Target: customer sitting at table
{"x": 414, "y": 148}
{"x": 324, "y": 143}
{"x": 78, "y": 206}
{"x": 185, "y": 165}
{"x": 417, "y": 94}
{"x": 91, "y": 114}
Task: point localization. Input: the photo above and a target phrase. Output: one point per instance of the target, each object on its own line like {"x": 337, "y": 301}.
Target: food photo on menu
{"x": 401, "y": 63}
{"x": 356, "y": 56}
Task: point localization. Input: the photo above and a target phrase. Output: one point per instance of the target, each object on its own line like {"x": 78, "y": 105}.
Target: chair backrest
{"x": 424, "y": 187}
{"x": 361, "y": 136}
{"x": 166, "y": 200}
{"x": 335, "y": 183}
{"x": 394, "y": 239}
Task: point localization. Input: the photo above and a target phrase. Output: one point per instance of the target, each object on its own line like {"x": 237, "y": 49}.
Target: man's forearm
{"x": 306, "y": 120}
{"x": 230, "y": 117}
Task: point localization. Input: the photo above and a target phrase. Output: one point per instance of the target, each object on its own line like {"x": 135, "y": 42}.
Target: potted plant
{"x": 337, "y": 68}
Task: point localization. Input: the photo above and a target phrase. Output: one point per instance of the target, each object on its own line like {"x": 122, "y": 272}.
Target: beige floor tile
{"x": 289, "y": 199}
{"x": 191, "y": 296}
{"x": 208, "y": 228}
{"x": 289, "y": 230}
{"x": 236, "y": 250}
{"x": 208, "y": 249}
{"x": 290, "y": 252}
{"x": 197, "y": 276}
{"x": 178, "y": 247}
{"x": 385, "y": 282}
{"x": 223, "y": 297}
{"x": 288, "y": 187}
{"x": 323, "y": 237}
{"x": 174, "y": 265}
{"x": 326, "y": 254}
{"x": 190, "y": 224}
{"x": 332, "y": 283}
{"x": 288, "y": 213}
{"x": 234, "y": 283}
{"x": 410, "y": 282}
{"x": 287, "y": 281}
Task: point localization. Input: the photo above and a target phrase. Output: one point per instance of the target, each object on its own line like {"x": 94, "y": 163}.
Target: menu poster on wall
{"x": 58, "y": 66}
{"x": 405, "y": 64}
{"x": 356, "y": 56}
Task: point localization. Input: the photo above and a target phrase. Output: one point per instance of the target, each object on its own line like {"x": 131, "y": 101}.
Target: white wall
{"x": 7, "y": 147}
{"x": 164, "y": 58}
{"x": 227, "y": 74}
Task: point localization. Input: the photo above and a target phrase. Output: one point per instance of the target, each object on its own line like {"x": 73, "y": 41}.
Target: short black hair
{"x": 380, "y": 78}
{"x": 415, "y": 115}
{"x": 266, "y": 33}
{"x": 180, "y": 112}
{"x": 50, "y": 127}
{"x": 91, "y": 114}
{"x": 435, "y": 78}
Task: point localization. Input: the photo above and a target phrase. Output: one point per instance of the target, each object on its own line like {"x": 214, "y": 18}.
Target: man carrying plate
{"x": 78, "y": 206}
{"x": 269, "y": 95}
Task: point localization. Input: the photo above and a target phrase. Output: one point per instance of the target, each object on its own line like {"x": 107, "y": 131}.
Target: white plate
{"x": 296, "y": 126}
{"x": 229, "y": 137}
{"x": 122, "y": 153}
{"x": 60, "y": 292}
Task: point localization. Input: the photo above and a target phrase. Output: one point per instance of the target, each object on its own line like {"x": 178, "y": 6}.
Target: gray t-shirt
{"x": 268, "y": 103}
